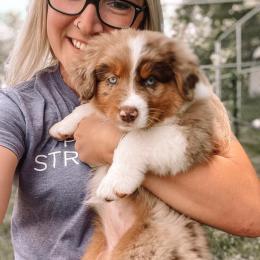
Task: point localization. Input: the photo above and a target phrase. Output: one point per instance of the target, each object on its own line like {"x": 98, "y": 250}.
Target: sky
{"x": 7, "y": 5}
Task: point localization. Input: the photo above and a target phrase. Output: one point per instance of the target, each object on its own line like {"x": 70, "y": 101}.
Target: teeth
{"x": 78, "y": 44}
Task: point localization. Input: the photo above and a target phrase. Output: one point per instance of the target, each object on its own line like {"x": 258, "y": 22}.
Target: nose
{"x": 128, "y": 114}
{"x": 88, "y": 22}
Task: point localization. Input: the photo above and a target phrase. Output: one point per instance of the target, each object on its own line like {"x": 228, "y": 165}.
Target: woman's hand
{"x": 96, "y": 140}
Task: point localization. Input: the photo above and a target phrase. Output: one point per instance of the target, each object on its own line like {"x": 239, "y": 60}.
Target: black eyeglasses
{"x": 118, "y": 14}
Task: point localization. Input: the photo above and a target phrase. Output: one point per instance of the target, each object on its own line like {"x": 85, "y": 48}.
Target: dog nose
{"x": 128, "y": 114}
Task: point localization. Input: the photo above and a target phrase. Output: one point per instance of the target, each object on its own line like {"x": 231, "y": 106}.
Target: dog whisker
{"x": 153, "y": 109}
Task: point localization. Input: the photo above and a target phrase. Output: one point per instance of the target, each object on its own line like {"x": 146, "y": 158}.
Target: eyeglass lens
{"x": 116, "y": 13}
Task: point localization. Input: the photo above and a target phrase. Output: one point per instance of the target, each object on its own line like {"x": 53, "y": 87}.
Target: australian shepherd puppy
{"x": 151, "y": 87}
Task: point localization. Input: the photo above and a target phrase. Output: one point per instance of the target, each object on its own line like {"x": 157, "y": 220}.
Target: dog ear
{"x": 84, "y": 80}
{"x": 186, "y": 83}
{"x": 189, "y": 85}
{"x": 185, "y": 66}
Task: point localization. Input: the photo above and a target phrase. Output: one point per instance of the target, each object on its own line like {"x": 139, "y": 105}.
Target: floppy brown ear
{"x": 186, "y": 83}
{"x": 185, "y": 66}
{"x": 189, "y": 85}
{"x": 84, "y": 80}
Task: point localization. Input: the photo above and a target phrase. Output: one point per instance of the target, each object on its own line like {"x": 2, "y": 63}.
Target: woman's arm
{"x": 224, "y": 193}
{"x": 8, "y": 163}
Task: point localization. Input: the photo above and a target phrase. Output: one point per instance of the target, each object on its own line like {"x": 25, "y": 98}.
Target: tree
{"x": 9, "y": 24}
{"x": 201, "y": 25}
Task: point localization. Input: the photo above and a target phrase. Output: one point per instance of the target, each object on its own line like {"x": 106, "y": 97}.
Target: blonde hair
{"x": 154, "y": 21}
{"x": 32, "y": 51}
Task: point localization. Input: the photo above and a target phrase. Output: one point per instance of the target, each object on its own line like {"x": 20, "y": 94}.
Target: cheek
{"x": 107, "y": 93}
{"x": 108, "y": 98}
{"x": 107, "y": 29}
{"x": 140, "y": 17}
{"x": 138, "y": 21}
{"x": 165, "y": 101}
{"x": 56, "y": 27}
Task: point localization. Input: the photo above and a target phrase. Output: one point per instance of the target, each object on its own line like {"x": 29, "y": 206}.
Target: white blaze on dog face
{"x": 136, "y": 45}
{"x": 136, "y": 102}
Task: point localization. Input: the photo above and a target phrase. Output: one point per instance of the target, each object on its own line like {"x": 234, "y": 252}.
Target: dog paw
{"x": 116, "y": 186}
{"x": 61, "y": 132}
{"x": 105, "y": 190}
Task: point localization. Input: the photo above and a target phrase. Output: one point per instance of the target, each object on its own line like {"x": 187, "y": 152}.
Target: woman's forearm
{"x": 8, "y": 162}
{"x": 224, "y": 193}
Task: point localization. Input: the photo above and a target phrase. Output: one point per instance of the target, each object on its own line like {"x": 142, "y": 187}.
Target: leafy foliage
{"x": 201, "y": 25}
{"x": 9, "y": 24}
{"x": 228, "y": 247}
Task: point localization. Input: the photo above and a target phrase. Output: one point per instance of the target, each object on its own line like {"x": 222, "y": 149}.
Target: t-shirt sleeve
{"x": 12, "y": 124}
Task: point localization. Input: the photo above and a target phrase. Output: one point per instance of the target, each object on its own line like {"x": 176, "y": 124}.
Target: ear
{"x": 186, "y": 83}
{"x": 84, "y": 80}
{"x": 185, "y": 66}
{"x": 189, "y": 85}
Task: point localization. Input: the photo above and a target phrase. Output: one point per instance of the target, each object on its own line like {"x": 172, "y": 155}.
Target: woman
{"x": 49, "y": 220}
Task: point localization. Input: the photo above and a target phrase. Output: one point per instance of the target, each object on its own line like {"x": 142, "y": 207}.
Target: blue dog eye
{"x": 112, "y": 80}
{"x": 150, "y": 82}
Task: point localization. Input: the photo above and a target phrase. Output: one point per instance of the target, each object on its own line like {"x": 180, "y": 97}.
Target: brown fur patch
{"x": 97, "y": 244}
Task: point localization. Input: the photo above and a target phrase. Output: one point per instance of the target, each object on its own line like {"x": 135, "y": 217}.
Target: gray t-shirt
{"x": 49, "y": 219}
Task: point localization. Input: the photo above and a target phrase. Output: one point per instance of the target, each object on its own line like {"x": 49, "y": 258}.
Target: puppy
{"x": 151, "y": 87}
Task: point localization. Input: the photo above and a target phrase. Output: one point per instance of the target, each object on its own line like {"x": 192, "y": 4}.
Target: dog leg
{"x": 127, "y": 171}
{"x": 66, "y": 127}
{"x": 119, "y": 182}
{"x": 161, "y": 150}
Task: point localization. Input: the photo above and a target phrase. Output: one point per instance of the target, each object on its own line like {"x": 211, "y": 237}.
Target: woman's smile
{"x": 78, "y": 44}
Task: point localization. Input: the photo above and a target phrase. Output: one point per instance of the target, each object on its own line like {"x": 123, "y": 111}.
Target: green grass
{"x": 228, "y": 247}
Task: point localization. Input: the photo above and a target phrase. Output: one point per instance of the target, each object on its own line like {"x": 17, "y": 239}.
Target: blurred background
{"x": 225, "y": 34}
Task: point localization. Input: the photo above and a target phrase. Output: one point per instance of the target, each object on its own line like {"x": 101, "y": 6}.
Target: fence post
{"x": 235, "y": 110}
